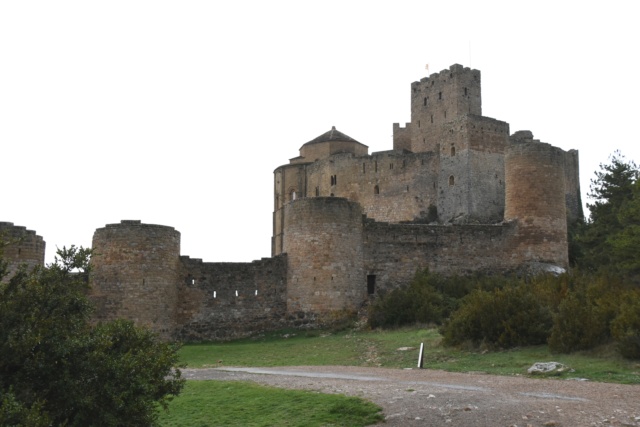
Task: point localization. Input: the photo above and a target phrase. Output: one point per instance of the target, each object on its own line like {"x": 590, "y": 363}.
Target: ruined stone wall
{"x": 22, "y": 247}
{"x": 135, "y": 274}
{"x": 394, "y": 252}
{"x": 535, "y": 198}
{"x": 230, "y": 300}
{"x": 323, "y": 242}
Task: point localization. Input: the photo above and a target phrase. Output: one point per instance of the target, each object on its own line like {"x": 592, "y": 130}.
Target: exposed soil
{"x": 421, "y": 397}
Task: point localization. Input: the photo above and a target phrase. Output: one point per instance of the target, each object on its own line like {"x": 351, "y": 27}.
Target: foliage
{"x": 610, "y": 240}
{"x": 503, "y": 318}
{"x": 429, "y": 298}
{"x": 232, "y": 403}
{"x": 55, "y": 365}
{"x": 625, "y": 328}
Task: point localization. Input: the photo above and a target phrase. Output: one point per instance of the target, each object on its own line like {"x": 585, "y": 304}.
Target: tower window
{"x": 451, "y": 180}
{"x": 440, "y": 95}
{"x": 453, "y": 151}
{"x": 317, "y": 191}
{"x": 390, "y": 165}
{"x": 334, "y": 179}
{"x": 376, "y": 190}
{"x": 465, "y": 91}
{"x": 432, "y": 118}
{"x": 364, "y": 169}
{"x": 293, "y": 194}
{"x": 371, "y": 284}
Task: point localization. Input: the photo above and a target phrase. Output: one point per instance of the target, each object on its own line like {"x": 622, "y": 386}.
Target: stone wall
{"x": 230, "y": 300}
{"x": 394, "y": 252}
{"x": 22, "y": 246}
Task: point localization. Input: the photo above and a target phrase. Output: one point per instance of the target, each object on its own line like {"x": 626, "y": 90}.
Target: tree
{"x": 611, "y": 213}
{"x": 57, "y": 368}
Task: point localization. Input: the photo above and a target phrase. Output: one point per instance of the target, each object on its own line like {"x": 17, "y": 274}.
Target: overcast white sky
{"x": 177, "y": 112}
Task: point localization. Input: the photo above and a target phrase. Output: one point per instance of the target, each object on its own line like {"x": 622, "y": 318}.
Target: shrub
{"x": 505, "y": 317}
{"x": 625, "y": 328}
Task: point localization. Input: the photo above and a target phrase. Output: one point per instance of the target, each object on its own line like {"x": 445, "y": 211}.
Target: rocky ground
{"x": 432, "y": 398}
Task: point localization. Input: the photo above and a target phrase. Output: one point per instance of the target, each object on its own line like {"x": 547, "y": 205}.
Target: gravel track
{"x": 422, "y": 397}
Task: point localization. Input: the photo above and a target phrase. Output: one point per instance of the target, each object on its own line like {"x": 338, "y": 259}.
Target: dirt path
{"x": 433, "y": 398}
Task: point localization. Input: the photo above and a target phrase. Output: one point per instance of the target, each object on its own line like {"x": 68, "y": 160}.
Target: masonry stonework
{"x": 20, "y": 247}
{"x": 457, "y": 194}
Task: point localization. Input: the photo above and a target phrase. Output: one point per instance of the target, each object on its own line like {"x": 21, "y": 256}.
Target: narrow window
{"x": 364, "y": 167}
{"x": 425, "y": 102}
{"x": 453, "y": 151}
{"x": 293, "y": 194}
{"x": 439, "y": 95}
{"x": 214, "y": 294}
{"x": 335, "y": 179}
{"x": 390, "y": 165}
{"x": 418, "y": 123}
{"x": 317, "y": 191}
{"x": 445, "y": 114}
{"x": 193, "y": 281}
{"x": 451, "y": 180}
{"x": 371, "y": 284}
{"x": 432, "y": 118}
{"x": 236, "y": 292}
{"x": 256, "y": 294}
{"x": 376, "y": 190}
{"x": 465, "y": 91}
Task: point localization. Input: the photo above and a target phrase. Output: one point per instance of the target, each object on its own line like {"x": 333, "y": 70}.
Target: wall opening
{"x": 453, "y": 151}
{"x": 215, "y": 294}
{"x": 236, "y": 292}
{"x": 432, "y": 118}
{"x": 364, "y": 167}
{"x": 371, "y": 284}
{"x": 293, "y": 194}
{"x": 451, "y": 180}
{"x": 317, "y": 191}
{"x": 390, "y": 165}
{"x": 376, "y": 190}
{"x": 439, "y": 95}
{"x": 465, "y": 91}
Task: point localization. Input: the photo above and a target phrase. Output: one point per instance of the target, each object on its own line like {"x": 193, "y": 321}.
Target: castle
{"x": 457, "y": 194}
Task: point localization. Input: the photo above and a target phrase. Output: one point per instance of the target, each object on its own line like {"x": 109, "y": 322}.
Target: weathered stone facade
{"x": 456, "y": 194}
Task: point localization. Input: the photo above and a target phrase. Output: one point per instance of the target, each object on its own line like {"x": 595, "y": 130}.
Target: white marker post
{"x": 421, "y": 356}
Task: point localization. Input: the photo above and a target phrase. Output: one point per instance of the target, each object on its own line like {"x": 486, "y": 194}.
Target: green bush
{"x": 578, "y": 325}
{"x": 625, "y": 328}
{"x": 505, "y": 317}
{"x": 420, "y": 302}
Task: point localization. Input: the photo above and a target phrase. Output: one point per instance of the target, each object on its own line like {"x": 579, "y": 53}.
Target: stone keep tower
{"x": 135, "y": 274}
{"x": 446, "y": 119}
{"x": 22, "y": 246}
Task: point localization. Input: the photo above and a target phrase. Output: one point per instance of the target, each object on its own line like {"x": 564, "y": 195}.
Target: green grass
{"x": 380, "y": 348}
{"x": 230, "y": 403}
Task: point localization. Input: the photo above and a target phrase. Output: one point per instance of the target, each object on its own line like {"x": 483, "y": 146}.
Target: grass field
{"x": 380, "y": 348}
{"x": 231, "y": 403}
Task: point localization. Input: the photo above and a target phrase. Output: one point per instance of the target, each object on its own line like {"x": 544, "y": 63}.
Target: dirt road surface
{"x": 423, "y": 397}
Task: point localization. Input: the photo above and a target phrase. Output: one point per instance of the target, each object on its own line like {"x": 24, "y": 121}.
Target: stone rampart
{"x": 224, "y": 300}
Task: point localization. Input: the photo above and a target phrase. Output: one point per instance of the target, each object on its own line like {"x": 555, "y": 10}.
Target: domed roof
{"x": 332, "y": 135}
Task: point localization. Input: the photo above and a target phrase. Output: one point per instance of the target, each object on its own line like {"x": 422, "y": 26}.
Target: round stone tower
{"x": 135, "y": 275}
{"x": 535, "y": 197}
{"x": 21, "y": 246}
{"x": 324, "y": 245}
